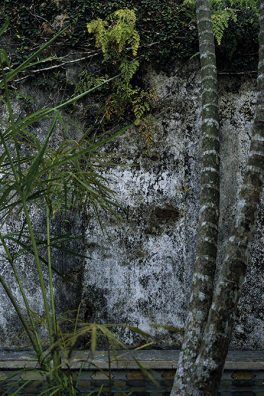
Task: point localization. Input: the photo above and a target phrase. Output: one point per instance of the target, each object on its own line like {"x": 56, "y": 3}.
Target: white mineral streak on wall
{"x": 138, "y": 269}
{"x": 135, "y": 187}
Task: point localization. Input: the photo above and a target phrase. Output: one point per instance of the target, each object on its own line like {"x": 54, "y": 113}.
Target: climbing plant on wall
{"x": 118, "y": 39}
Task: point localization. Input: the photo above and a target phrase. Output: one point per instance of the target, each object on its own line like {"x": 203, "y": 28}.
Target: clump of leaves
{"x": 119, "y": 42}
{"x": 88, "y": 81}
{"x": 220, "y": 20}
{"x": 115, "y": 34}
{"x": 223, "y": 12}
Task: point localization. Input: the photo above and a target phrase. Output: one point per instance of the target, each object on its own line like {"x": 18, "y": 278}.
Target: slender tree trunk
{"x": 208, "y": 366}
{"x": 206, "y": 251}
{"x": 220, "y": 323}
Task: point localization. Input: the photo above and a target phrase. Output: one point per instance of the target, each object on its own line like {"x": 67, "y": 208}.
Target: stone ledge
{"x": 124, "y": 360}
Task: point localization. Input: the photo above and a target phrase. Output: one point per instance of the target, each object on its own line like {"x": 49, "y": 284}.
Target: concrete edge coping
{"x": 127, "y": 359}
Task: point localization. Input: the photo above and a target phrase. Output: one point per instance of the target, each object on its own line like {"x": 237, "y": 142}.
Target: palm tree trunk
{"x": 218, "y": 331}
{"x": 206, "y": 251}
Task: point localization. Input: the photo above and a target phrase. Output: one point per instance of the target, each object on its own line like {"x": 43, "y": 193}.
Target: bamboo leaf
{"x": 45, "y": 112}
{"x": 139, "y": 331}
{"x": 93, "y": 338}
{"x": 38, "y": 160}
{"x": 27, "y": 63}
{"x": 110, "y": 336}
{"x": 147, "y": 373}
{"x": 4, "y": 27}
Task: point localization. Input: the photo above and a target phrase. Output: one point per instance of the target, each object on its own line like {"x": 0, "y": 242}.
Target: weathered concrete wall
{"x": 140, "y": 268}
{"x": 140, "y": 265}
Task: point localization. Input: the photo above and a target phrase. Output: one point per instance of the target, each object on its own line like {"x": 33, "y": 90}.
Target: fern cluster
{"x": 224, "y": 11}
{"x": 119, "y": 42}
{"x": 88, "y": 81}
{"x": 220, "y": 20}
{"x": 115, "y": 34}
{"x": 143, "y": 119}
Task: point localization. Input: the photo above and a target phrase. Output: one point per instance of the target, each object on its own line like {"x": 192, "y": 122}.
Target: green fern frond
{"x": 119, "y": 40}
{"x": 117, "y": 34}
{"x": 98, "y": 27}
{"x": 189, "y": 3}
{"x": 224, "y": 11}
{"x": 128, "y": 69}
{"x": 135, "y": 43}
{"x": 126, "y": 16}
{"x": 220, "y": 20}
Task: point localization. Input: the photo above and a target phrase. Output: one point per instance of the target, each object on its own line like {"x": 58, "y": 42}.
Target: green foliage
{"x": 116, "y": 33}
{"x": 220, "y": 20}
{"x": 119, "y": 41}
{"x": 225, "y": 11}
{"x": 158, "y": 22}
{"x": 53, "y": 177}
{"x": 167, "y": 28}
{"x": 128, "y": 69}
{"x": 88, "y": 81}
{"x": 239, "y": 4}
{"x": 140, "y": 104}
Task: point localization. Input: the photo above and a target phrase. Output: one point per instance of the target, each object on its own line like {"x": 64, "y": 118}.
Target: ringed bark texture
{"x": 206, "y": 251}
{"x": 219, "y": 327}
{"x": 220, "y": 323}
